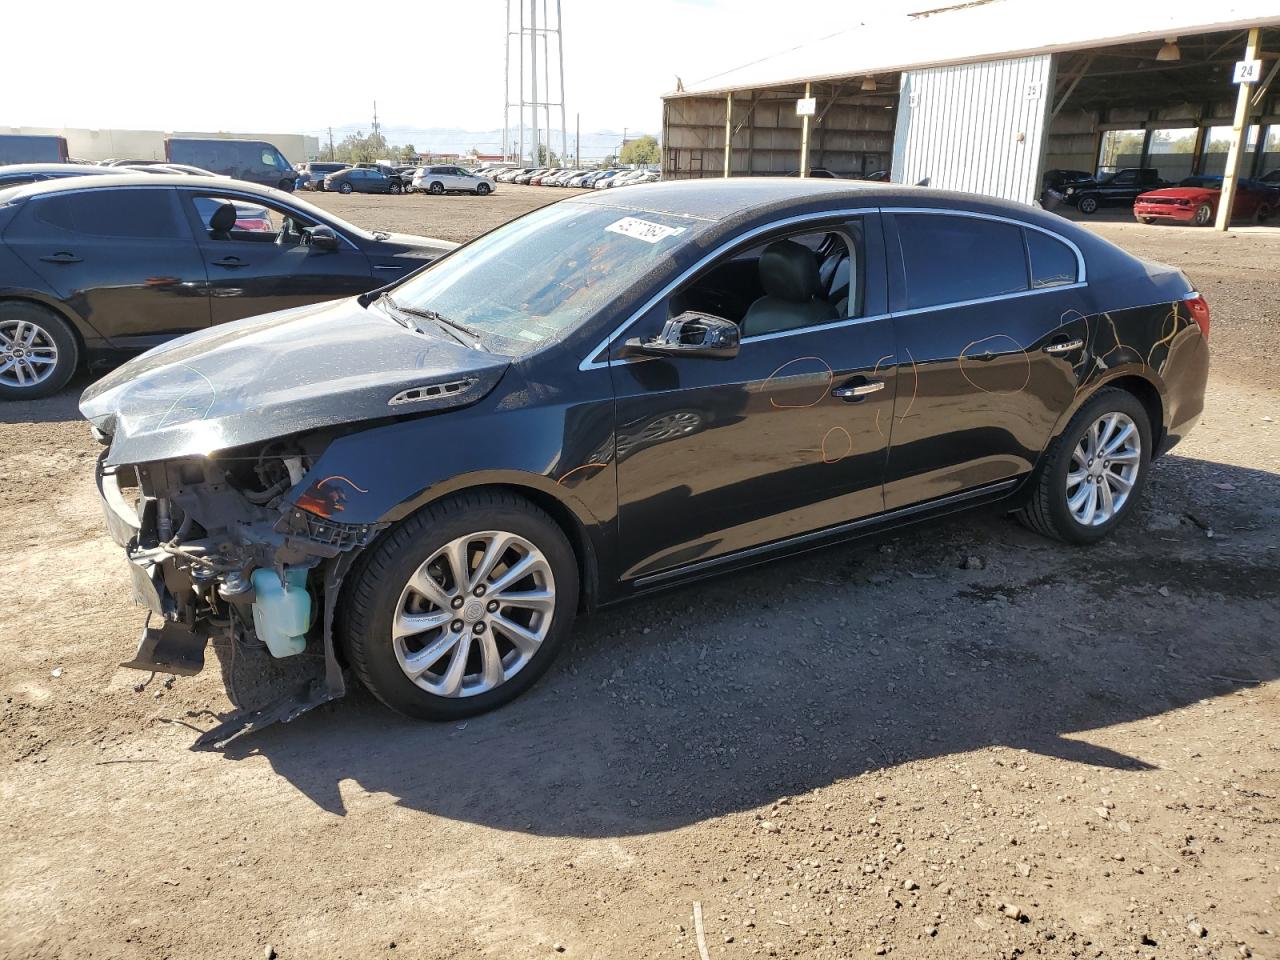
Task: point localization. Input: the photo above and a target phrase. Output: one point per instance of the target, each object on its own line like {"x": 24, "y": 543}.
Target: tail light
{"x": 1199, "y": 308}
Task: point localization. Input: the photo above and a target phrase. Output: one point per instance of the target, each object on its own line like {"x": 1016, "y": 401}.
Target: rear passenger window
{"x": 949, "y": 259}
{"x": 1053, "y": 263}
{"x": 141, "y": 214}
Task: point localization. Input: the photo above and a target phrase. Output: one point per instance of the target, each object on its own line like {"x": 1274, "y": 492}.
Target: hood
{"x": 1181, "y": 193}
{"x": 279, "y": 374}
{"x": 408, "y": 245}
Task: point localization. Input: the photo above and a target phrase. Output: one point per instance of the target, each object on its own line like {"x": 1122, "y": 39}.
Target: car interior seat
{"x": 793, "y": 291}
{"x": 222, "y": 221}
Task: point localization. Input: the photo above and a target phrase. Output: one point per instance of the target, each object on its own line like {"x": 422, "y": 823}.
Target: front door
{"x": 123, "y": 258}
{"x": 258, "y": 271}
{"x": 990, "y": 328}
{"x": 717, "y": 456}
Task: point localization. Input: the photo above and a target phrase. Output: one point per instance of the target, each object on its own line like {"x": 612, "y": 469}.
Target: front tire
{"x": 483, "y": 189}
{"x": 1204, "y": 215}
{"x": 397, "y": 189}
{"x": 287, "y": 185}
{"x": 1088, "y": 205}
{"x": 1092, "y": 476}
{"x": 39, "y": 351}
{"x": 461, "y": 607}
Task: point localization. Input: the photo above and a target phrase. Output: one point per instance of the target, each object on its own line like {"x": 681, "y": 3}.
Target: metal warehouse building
{"x": 987, "y": 96}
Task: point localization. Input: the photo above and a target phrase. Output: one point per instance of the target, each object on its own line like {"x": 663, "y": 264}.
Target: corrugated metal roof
{"x": 985, "y": 31}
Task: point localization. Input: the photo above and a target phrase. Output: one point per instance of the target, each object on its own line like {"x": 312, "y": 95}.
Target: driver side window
{"x": 789, "y": 282}
{"x": 252, "y": 221}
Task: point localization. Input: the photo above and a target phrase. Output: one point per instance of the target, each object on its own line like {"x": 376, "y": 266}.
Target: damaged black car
{"x": 424, "y": 485}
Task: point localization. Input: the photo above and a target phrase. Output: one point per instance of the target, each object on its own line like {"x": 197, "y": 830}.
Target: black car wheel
{"x": 287, "y": 185}
{"x": 1204, "y": 215}
{"x": 396, "y": 188}
{"x": 345, "y": 187}
{"x": 1088, "y": 205}
{"x": 1092, "y": 476}
{"x": 38, "y": 351}
{"x": 483, "y": 189}
{"x": 1147, "y": 219}
{"x": 436, "y": 188}
{"x": 1263, "y": 213}
{"x": 461, "y": 607}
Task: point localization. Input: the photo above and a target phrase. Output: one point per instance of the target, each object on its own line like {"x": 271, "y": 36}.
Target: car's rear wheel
{"x": 1147, "y": 219}
{"x": 436, "y": 188}
{"x": 1204, "y": 215}
{"x": 345, "y": 187}
{"x": 1088, "y": 205}
{"x": 462, "y": 607}
{"x": 1092, "y": 476}
{"x": 38, "y": 351}
{"x": 483, "y": 189}
{"x": 1262, "y": 214}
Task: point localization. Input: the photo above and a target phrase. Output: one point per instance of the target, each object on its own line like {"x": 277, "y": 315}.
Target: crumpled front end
{"x": 217, "y": 555}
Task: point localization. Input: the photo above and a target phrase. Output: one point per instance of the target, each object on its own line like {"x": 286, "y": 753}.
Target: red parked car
{"x": 1195, "y": 200}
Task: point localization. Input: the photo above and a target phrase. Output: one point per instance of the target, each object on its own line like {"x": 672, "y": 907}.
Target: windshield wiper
{"x": 453, "y": 327}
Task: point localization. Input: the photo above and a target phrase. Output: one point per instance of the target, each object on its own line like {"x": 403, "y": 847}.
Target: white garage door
{"x": 977, "y": 127}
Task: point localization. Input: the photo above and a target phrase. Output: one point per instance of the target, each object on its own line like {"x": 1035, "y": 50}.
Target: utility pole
{"x": 577, "y": 140}
{"x": 331, "y": 143}
{"x": 375, "y": 120}
{"x": 621, "y": 147}
{"x": 533, "y": 77}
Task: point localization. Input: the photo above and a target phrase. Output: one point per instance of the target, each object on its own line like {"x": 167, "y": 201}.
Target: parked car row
{"x": 1192, "y": 200}
{"x": 582, "y": 178}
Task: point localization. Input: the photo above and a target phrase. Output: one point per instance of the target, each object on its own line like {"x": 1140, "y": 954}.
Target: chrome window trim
{"x": 591, "y": 363}
{"x": 1082, "y": 278}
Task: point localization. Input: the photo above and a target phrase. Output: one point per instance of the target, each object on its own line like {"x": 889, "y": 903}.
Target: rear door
{"x": 990, "y": 332}
{"x": 258, "y": 271}
{"x": 123, "y": 258}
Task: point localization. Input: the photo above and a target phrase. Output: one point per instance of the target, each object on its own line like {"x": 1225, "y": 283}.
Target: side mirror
{"x": 322, "y": 239}
{"x": 691, "y": 334}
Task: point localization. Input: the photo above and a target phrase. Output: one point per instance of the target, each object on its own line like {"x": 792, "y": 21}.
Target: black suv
{"x": 1117, "y": 189}
{"x": 97, "y": 266}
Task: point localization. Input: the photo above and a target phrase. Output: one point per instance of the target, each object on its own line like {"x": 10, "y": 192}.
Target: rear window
{"x": 139, "y": 214}
{"x": 951, "y": 259}
{"x": 1053, "y": 263}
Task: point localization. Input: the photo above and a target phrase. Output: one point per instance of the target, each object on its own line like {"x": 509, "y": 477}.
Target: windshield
{"x": 535, "y": 279}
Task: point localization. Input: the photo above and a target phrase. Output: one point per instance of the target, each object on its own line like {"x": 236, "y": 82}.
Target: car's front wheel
{"x": 1204, "y": 215}
{"x": 38, "y": 351}
{"x": 1093, "y": 473}
{"x": 461, "y": 607}
{"x": 483, "y": 189}
{"x": 396, "y": 188}
{"x": 1088, "y": 205}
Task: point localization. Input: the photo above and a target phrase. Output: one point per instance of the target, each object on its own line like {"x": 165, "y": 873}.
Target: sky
{"x": 178, "y": 65}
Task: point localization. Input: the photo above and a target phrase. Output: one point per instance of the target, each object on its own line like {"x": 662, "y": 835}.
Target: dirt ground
{"x": 887, "y": 748}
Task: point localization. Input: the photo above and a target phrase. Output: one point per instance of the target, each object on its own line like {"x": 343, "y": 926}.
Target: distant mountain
{"x": 595, "y": 143}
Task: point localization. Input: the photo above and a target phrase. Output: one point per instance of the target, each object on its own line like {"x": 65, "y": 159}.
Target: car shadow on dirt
{"x": 730, "y": 694}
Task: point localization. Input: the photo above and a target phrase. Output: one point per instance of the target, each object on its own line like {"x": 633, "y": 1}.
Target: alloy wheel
{"x": 1104, "y": 469}
{"x": 28, "y": 353}
{"x": 474, "y": 614}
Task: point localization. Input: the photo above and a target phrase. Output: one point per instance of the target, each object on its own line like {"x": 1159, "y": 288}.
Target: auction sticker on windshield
{"x": 643, "y": 229}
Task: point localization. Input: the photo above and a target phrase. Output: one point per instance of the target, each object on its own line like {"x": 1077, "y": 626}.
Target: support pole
{"x": 564, "y": 130}
{"x": 535, "y": 126}
{"x": 804, "y": 137}
{"x": 1239, "y": 135}
{"x": 728, "y": 132}
{"x": 506, "y": 93}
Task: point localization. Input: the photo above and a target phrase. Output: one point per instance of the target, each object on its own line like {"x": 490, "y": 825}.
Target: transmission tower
{"x": 536, "y": 61}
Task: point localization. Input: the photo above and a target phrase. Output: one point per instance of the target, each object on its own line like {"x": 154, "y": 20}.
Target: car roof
{"x": 107, "y": 181}
{"x": 79, "y": 168}
{"x": 738, "y": 200}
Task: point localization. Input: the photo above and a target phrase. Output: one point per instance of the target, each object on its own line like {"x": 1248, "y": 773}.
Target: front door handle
{"x": 1064, "y": 346}
{"x": 230, "y": 263}
{"x": 854, "y": 392}
{"x": 62, "y": 256}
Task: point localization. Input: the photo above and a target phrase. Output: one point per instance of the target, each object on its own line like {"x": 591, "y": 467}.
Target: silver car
{"x": 441, "y": 179}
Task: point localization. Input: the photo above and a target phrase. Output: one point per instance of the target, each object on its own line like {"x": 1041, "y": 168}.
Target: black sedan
{"x": 364, "y": 180}
{"x": 96, "y": 267}
{"x": 589, "y": 403}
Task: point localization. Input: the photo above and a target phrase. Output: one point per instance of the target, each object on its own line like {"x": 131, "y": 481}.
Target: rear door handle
{"x": 1064, "y": 346}
{"x": 230, "y": 262}
{"x": 62, "y": 256}
{"x": 856, "y": 391}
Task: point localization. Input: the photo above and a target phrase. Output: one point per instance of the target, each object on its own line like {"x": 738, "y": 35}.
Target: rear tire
{"x": 381, "y": 593}
{"x": 436, "y": 188}
{"x": 1147, "y": 219}
{"x": 1049, "y": 508}
{"x": 36, "y": 346}
{"x": 345, "y": 187}
{"x": 1262, "y": 214}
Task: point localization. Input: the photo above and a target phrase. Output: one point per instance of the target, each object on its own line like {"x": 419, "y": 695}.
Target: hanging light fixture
{"x": 868, "y": 85}
{"x": 1169, "y": 51}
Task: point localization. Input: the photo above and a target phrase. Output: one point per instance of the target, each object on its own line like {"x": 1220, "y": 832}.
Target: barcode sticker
{"x": 643, "y": 229}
